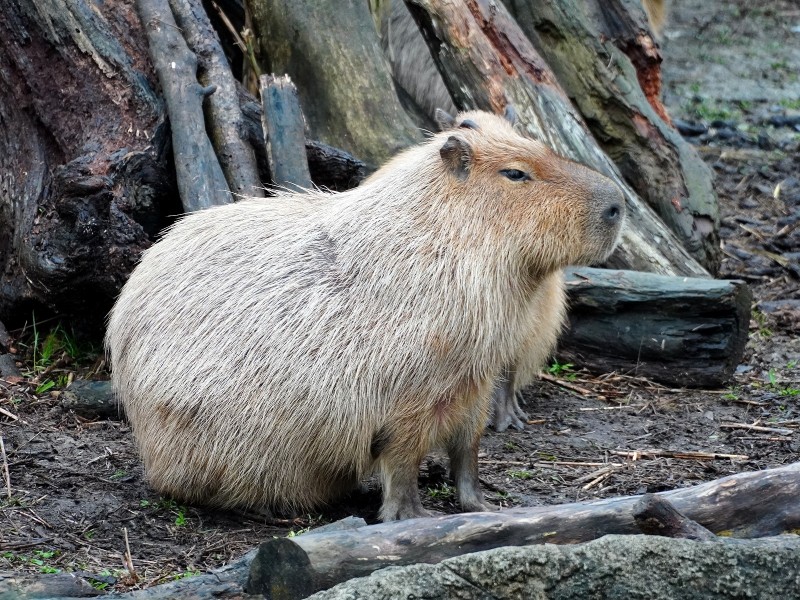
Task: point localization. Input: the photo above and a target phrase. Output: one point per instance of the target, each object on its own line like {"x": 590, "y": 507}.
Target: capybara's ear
{"x": 444, "y": 119}
{"x": 457, "y": 156}
{"x": 510, "y": 114}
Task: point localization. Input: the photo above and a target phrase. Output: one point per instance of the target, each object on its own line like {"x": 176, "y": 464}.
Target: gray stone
{"x": 615, "y": 567}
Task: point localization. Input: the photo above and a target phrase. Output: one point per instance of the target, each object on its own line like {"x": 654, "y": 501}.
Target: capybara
{"x": 275, "y": 352}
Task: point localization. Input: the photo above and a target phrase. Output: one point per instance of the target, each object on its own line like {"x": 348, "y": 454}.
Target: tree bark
{"x": 83, "y": 181}
{"x": 331, "y": 51}
{"x": 685, "y": 332}
{"x": 488, "y": 63}
{"x": 579, "y": 40}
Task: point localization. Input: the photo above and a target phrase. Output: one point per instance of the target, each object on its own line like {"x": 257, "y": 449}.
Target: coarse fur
{"x": 274, "y": 352}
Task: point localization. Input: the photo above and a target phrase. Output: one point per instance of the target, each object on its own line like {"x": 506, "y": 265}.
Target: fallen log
{"x": 746, "y": 505}
{"x": 488, "y": 63}
{"x": 755, "y": 504}
{"x": 655, "y": 515}
{"x": 685, "y": 332}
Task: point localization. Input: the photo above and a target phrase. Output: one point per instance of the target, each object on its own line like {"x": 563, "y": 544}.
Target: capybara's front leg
{"x": 463, "y": 452}
{"x": 506, "y": 411}
{"x": 400, "y": 488}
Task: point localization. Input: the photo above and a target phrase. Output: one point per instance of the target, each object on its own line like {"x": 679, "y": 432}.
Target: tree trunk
{"x": 331, "y": 51}
{"x": 488, "y": 63}
{"x": 82, "y": 137}
{"x": 585, "y": 43}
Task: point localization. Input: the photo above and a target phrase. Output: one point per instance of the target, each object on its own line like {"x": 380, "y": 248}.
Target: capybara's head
{"x": 556, "y": 211}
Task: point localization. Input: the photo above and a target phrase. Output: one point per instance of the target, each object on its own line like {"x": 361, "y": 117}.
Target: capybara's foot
{"x": 471, "y": 500}
{"x": 506, "y": 411}
{"x": 479, "y": 505}
{"x": 397, "y": 511}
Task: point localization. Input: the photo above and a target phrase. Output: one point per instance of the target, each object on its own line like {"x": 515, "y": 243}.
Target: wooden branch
{"x": 752, "y": 504}
{"x": 654, "y": 515}
{"x": 200, "y": 179}
{"x": 284, "y": 133}
{"x": 685, "y": 332}
{"x": 488, "y": 63}
{"x": 224, "y": 117}
{"x": 331, "y": 50}
{"x": 332, "y": 168}
{"x": 579, "y": 39}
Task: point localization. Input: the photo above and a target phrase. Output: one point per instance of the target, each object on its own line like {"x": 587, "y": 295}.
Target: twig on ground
{"x": 127, "y": 557}
{"x": 620, "y": 407}
{"x": 754, "y": 427}
{"x": 8, "y": 414}
{"x": 62, "y": 361}
{"x": 575, "y": 388}
{"x": 682, "y": 454}
{"x": 6, "y": 474}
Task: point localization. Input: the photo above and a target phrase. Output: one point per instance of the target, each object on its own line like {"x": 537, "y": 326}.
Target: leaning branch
{"x": 201, "y": 182}
{"x": 225, "y": 120}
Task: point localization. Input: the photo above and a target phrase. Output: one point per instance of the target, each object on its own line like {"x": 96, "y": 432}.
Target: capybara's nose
{"x": 609, "y": 203}
{"x": 613, "y": 213}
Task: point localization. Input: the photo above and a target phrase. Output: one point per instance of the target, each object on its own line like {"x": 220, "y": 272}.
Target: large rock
{"x": 613, "y": 567}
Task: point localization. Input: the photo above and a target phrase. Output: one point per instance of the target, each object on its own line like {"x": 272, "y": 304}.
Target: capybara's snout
{"x": 606, "y": 214}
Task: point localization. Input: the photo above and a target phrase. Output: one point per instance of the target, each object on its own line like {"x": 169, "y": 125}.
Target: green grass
{"x": 441, "y": 492}
{"x": 46, "y": 346}
{"x": 563, "y": 370}
{"x": 520, "y": 474}
{"x": 38, "y": 558}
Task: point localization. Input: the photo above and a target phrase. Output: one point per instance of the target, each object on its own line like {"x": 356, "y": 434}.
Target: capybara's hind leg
{"x": 506, "y": 411}
{"x": 463, "y": 451}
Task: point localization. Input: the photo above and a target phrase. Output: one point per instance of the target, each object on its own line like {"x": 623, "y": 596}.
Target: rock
{"x": 92, "y": 400}
{"x": 689, "y": 128}
{"x": 8, "y": 368}
{"x": 615, "y": 567}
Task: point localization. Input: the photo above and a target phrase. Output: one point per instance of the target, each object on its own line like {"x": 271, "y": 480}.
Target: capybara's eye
{"x": 515, "y": 174}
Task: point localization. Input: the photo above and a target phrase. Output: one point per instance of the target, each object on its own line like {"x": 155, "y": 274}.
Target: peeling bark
{"x": 82, "y": 142}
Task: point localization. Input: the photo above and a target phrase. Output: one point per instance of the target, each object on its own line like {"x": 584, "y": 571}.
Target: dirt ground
{"x": 730, "y": 68}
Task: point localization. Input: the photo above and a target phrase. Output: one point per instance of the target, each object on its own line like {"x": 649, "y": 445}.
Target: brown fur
{"x": 276, "y": 352}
